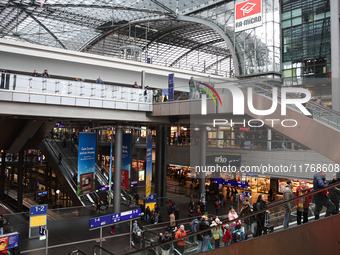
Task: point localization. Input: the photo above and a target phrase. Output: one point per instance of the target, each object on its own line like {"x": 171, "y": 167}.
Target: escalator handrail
{"x": 101, "y": 248}
{"x": 270, "y": 206}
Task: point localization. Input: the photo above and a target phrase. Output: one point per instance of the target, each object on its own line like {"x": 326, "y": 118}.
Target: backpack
{"x": 169, "y": 210}
{"x": 194, "y": 225}
{"x": 255, "y": 207}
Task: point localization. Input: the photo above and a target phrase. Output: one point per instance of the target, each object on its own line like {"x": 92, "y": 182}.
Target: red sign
{"x": 244, "y": 129}
{"x": 248, "y": 8}
{"x": 125, "y": 179}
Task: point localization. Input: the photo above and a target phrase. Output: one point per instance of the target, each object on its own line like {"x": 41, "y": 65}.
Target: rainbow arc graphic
{"x": 209, "y": 93}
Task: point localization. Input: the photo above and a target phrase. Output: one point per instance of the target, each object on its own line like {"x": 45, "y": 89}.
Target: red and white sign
{"x": 248, "y": 14}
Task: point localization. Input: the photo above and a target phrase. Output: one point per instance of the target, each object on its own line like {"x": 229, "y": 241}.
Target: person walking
{"x": 192, "y": 87}
{"x": 99, "y": 81}
{"x": 205, "y": 236}
{"x": 166, "y": 247}
{"x": 217, "y": 206}
{"x": 179, "y": 246}
{"x": 98, "y": 203}
{"x": 334, "y": 195}
{"x": 260, "y": 205}
{"x": 288, "y": 207}
{"x": 221, "y": 197}
{"x": 247, "y": 209}
{"x": 302, "y": 204}
{"x": 321, "y": 198}
{"x": 147, "y": 213}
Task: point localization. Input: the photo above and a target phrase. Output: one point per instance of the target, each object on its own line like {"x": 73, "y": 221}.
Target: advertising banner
{"x": 125, "y": 179}
{"x": 126, "y": 153}
{"x": 151, "y": 201}
{"x": 9, "y": 241}
{"x": 148, "y": 164}
{"x": 86, "y": 162}
{"x": 171, "y": 85}
{"x": 248, "y": 14}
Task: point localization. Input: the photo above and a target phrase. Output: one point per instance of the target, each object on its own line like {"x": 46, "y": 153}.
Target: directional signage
{"x": 114, "y": 218}
{"x": 42, "y": 231}
{"x": 38, "y": 215}
{"x": 42, "y": 193}
{"x": 38, "y": 210}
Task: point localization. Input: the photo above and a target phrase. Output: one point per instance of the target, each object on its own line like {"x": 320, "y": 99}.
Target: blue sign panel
{"x": 86, "y": 162}
{"x": 42, "y": 193}
{"x": 42, "y": 231}
{"x": 133, "y": 184}
{"x": 126, "y": 153}
{"x": 151, "y": 199}
{"x": 105, "y": 187}
{"x": 219, "y": 181}
{"x": 13, "y": 240}
{"x": 128, "y": 215}
{"x": 148, "y": 60}
{"x": 114, "y": 218}
{"x": 38, "y": 210}
{"x": 171, "y": 85}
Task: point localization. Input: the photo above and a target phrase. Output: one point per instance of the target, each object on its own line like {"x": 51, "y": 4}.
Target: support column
{"x": 3, "y": 170}
{"x": 118, "y": 167}
{"x": 203, "y": 150}
{"x": 46, "y": 176}
{"x": 335, "y": 53}
{"x": 20, "y": 177}
{"x": 269, "y": 138}
{"x": 164, "y": 161}
{"x": 158, "y": 160}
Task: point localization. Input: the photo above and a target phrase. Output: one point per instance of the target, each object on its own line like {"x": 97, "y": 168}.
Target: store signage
{"x": 248, "y": 14}
{"x": 114, "y": 218}
{"x": 244, "y": 128}
{"x": 225, "y": 159}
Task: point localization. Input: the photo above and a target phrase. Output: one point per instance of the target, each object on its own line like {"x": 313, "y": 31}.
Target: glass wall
{"x": 306, "y": 49}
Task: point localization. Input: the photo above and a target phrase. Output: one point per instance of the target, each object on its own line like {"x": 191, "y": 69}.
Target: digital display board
{"x": 114, "y": 218}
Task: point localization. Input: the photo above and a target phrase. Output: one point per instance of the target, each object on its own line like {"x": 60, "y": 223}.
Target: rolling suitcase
{"x": 268, "y": 228}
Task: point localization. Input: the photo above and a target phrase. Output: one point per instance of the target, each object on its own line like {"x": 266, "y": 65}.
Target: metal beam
{"x": 93, "y": 6}
{"x": 217, "y": 62}
{"x": 193, "y": 49}
{"x": 220, "y": 32}
{"x": 164, "y": 7}
{"x": 41, "y": 24}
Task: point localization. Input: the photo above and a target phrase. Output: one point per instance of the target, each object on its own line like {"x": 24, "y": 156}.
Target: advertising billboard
{"x": 86, "y": 162}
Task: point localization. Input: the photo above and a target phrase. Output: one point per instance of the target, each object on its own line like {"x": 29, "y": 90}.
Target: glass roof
{"x": 101, "y": 27}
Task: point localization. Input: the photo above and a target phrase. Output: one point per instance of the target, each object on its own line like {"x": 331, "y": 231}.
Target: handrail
{"x": 269, "y": 207}
{"x": 101, "y": 249}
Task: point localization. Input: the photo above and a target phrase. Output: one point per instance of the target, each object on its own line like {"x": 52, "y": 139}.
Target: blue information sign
{"x": 114, "y": 218}
{"x": 38, "y": 210}
{"x": 171, "y": 85}
{"x": 42, "y": 231}
{"x": 42, "y": 193}
{"x": 105, "y": 187}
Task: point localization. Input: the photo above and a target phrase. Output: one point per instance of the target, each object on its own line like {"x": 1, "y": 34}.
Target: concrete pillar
{"x": 3, "y": 170}
{"x": 269, "y": 137}
{"x": 158, "y": 160}
{"x": 203, "y": 150}
{"x": 20, "y": 177}
{"x": 118, "y": 167}
{"x": 164, "y": 167}
{"x": 46, "y": 176}
{"x": 335, "y": 53}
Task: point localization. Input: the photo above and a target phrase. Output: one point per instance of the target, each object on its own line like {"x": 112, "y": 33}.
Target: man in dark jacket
{"x": 147, "y": 213}
{"x": 334, "y": 195}
{"x": 321, "y": 198}
{"x": 247, "y": 209}
{"x": 221, "y": 197}
{"x": 260, "y": 205}
{"x": 205, "y": 237}
{"x": 166, "y": 248}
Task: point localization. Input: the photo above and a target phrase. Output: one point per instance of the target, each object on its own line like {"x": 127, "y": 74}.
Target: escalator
{"x": 314, "y": 237}
{"x": 319, "y": 132}
{"x": 68, "y": 168}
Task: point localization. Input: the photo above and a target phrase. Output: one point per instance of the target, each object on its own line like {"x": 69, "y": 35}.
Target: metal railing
{"x": 51, "y": 86}
{"x": 191, "y": 247}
